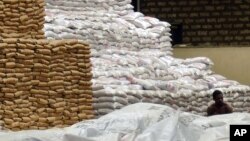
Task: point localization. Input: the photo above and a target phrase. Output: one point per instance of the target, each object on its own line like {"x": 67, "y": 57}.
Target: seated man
{"x": 219, "y": 107}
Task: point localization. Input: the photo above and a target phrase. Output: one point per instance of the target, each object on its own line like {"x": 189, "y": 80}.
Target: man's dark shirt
{"x": 215, "y": 110}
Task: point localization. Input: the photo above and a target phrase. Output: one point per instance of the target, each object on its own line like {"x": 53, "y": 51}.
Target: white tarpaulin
{"x": 140, "y": 122}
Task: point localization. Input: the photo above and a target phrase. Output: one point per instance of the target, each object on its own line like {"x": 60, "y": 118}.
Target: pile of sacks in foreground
{"x": 140, "y": 122}
{"x": 132, "y": 58}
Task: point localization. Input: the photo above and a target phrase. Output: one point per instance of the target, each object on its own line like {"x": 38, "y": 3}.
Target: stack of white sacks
{"x": 132, "y": 58}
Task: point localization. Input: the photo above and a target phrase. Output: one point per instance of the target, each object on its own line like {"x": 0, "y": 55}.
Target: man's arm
{"x": 209, "y": 111}
{"x": 229, "y": 109}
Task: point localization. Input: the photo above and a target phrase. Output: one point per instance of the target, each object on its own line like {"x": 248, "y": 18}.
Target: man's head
{"x": 218, "y": 97}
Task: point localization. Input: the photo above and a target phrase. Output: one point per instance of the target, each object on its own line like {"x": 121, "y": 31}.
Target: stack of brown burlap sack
{"x": 22, "y": 19}
{"x": 43, "y": 83}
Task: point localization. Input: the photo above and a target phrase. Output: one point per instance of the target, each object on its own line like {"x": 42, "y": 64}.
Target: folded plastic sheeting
{"x": 140, "y": 122}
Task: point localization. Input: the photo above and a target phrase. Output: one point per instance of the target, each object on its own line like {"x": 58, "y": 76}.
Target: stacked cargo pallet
{"x": 22, "y": 19}
{"x": 129, "y": 77}
{"x": 44, "y": 83}
{"x": 132, "y": 59}
{"x": 120, "y": 7}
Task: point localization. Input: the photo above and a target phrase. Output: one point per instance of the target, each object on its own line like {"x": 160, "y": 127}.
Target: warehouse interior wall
{"x": 231, "y": 62}
{"x": 135, "y": 4}
{"x": 217, "y": 22}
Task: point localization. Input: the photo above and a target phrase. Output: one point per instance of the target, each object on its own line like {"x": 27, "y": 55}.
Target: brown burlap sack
{"x": 48, "y": 88}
